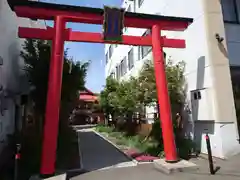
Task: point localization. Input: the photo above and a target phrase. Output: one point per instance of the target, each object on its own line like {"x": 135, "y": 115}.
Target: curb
{"x": 129, "y": 157}
{"x": 86, "y": 126}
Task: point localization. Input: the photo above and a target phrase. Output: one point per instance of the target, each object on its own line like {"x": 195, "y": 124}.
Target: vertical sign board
{"x": 113, "y": 24}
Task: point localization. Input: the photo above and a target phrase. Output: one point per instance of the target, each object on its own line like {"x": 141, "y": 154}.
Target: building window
{"x": 140, "y": 3}
{"x": 134, "y": 6}
{"x": 139, "y": 52}
{"x": 110, "y": 51}
{"x": 164, "y": 56}
{"x": 112, "y": 75}
{"x": 230, "y": 10}
{"x": 129, "y": 9}
{"x": 123, "y": 66}
{"x": 106, "y": 56}
{"x": 117, "y": 72}
{"x": 130, "y": 59}
{"x": 144, "y": 50}
{"x": 1, "y": 127}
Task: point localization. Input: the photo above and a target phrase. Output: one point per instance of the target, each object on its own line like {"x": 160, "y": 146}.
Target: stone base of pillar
{"x": 180, "y": 166}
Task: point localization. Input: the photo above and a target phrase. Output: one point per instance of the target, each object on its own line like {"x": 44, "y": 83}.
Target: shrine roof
{"x": 87, "y": 91}
{"x": 85, "y": 97}
{"x": 34, "y": 4}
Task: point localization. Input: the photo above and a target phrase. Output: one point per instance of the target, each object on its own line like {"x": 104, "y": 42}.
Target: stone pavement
{"x": 98, "y": 154}
{"x": 228, "y": 168}
{"x": 147, "y": 172}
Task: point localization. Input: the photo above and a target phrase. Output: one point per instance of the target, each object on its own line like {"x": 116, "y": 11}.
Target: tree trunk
{"x": 158, "y": 109}
{"x": 106, "y": 116}
{"x": 131, "y": 126}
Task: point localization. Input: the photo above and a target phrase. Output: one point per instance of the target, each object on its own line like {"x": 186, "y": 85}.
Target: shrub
{"x": 102, "y": 128}
{"x": 184, "y": 145}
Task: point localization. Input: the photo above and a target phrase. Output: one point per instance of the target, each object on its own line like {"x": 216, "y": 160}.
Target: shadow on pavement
{"x": 73, "y": 173}
{"x": 223, "y": 168}
{"x": 97, "y": 153}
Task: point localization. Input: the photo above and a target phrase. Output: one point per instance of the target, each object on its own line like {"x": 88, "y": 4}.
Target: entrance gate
{"x": 61, "y": 14}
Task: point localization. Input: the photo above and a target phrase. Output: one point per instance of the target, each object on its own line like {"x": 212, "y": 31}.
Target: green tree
{"x": 37, "y": 54}
{"x": 120, "y": 99}
{"x": 147, "y": 84}
{"x": 130, "y": 96}
{"x": 107, "y": 98}
{"x": 127, "y": 97}
{"x": 175, "y": 80}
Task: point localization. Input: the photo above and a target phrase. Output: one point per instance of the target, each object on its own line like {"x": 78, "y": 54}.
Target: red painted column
{"x": 53, "y": 100}
{"x": 163, "y": 97}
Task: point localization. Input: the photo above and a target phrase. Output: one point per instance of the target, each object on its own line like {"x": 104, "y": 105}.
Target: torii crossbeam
{"x": 61, "y": 14}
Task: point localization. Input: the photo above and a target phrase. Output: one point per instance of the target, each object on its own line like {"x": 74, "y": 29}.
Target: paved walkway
{"x": 97, "y": 153}
{"x": 147, "y": 172}
{"x": 228, "y": 168}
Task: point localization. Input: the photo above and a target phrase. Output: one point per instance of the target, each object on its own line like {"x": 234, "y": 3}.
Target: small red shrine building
{"x": 86, "y": 111}
{"x": 87, "y": 96}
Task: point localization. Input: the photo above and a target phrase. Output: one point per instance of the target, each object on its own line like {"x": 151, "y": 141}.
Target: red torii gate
{"x": 61, "y": 14}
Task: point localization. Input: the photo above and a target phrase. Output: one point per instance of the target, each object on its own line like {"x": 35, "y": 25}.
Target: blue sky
{"x": 89, "y": 51}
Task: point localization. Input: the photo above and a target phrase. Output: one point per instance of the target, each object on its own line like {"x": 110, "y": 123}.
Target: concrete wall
{"x": 207, "y": 70}
{"x": 225, "y": 131}
{"x": 11, "y": 72}
{"x": 233, "y": 42}
{"x": 232, "y": 30}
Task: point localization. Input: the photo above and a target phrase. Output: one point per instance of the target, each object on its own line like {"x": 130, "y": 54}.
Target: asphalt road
{"x": 97, "y": 153}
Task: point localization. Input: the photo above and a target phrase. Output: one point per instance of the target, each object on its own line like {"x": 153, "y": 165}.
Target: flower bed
{"x": 132, "y": 146}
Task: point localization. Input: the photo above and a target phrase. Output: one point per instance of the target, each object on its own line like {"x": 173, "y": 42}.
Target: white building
{"x": 209, "y": 64}
{"x": 12, "y": 80}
